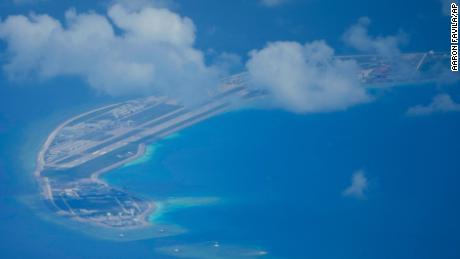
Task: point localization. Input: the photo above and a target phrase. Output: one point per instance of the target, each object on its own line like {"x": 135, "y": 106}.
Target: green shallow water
{"x": 150, "y": 151}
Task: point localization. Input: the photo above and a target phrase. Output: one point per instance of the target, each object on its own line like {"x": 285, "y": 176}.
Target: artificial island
{"x": 82, "y": 148}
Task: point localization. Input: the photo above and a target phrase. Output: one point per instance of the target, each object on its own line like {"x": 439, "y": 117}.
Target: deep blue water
{"x": 280, "y": 178}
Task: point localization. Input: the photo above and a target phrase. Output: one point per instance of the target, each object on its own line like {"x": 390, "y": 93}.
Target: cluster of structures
{"x": 82, "y": 148}
{"x": 406, "y": 68}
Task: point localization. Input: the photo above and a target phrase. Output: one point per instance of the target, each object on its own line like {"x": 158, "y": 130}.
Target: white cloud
{"x": 440, "y": 103}
{"x": 272, "y": 3}
{"x": 358, "y": 186}
{"x": 152, "y": 25}
{"x": 136, "y": 5}
{"x": 357, "y": 36}
{"x": 151, "y": 52}
{"x": 306, "y": 78}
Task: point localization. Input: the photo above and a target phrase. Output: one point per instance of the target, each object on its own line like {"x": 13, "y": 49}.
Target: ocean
{"x": 269, "y": 183}
{"x": 253, "y": 181}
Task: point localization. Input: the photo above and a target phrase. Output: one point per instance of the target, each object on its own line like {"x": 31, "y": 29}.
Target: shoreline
{"x": 96, "y": 176}
{"x": 80, "y": 150}
{"x": 44, "y": 185}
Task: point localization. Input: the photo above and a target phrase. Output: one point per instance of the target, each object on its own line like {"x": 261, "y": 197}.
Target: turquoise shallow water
{"x": 270, "y": 181}
{"x": 273, "y": 181}
{"x": 278, "y": 177}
